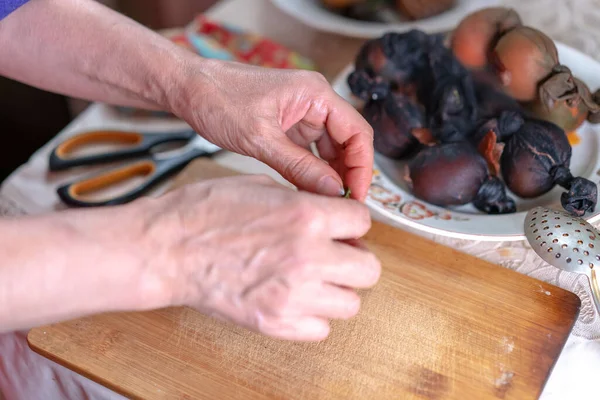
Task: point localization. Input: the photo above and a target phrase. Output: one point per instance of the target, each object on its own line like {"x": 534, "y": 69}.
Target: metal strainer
{"x": 566, "y": 242}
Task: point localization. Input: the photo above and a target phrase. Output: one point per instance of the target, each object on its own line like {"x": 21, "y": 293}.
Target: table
{"x": 30, "y": 191}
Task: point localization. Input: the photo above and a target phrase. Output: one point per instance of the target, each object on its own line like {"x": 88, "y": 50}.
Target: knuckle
{"x": 276, "y": 301}
{"x": 306, "y": 218}
{"x": 298, "y": 167}
{"x": 317, "y": 76}
{"x": 312, "y": 76}
{"x": 261, "y": 179}
{"x": 281, "y": 306}
{"x": 298, "y": 261}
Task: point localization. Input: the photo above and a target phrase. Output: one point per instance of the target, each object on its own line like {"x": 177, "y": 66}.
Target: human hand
{"x": 258, "y": 254}
{"x": 274, "y": 115}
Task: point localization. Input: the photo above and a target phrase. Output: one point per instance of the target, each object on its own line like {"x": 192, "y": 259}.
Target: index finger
{"x": 347, "y": 127}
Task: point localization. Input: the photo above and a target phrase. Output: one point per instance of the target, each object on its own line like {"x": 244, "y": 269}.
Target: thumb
{"x": 302, "y": 168}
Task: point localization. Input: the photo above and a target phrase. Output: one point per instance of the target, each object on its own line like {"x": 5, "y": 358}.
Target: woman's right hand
{"x": 253, "y": 252}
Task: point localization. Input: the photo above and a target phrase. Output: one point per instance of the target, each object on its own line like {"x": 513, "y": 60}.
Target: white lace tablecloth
{"x": 30, "y": 190}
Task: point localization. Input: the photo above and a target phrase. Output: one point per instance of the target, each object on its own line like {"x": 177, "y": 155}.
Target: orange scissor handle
{"x": 152, "y": 169}
{"x": 138, "y": 144}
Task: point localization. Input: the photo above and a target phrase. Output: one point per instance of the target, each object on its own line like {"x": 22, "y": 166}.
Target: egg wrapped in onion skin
{"x": 396, "y": 57}
{"x": 392, "y": 115}
{"x": 454, "y": 174}
{"x": 492, "y": 100}
{"x": 536, "y": 158}
{"x": 564, "y": 100}
{"x": 374, "y": 58}
{"x": 448, "y": 95}
{"x": 522, "y": 58}
{"x": 477, "y": 34}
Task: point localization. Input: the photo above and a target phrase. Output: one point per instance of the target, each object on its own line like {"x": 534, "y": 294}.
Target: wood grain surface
{"x": 440, "y": 325}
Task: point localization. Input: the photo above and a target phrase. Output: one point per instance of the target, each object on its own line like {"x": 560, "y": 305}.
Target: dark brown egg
{"x": 531, "y": 155}
{"x": 393, "y": 121}
{"x": 537, "y": 158}
{"x": 453, "y": 174}
{"x": 447, "y": 174}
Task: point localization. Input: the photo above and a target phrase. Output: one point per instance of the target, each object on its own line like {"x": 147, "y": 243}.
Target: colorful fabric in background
{"x": 211, "y": 39}
{"x": 244, "y": 46}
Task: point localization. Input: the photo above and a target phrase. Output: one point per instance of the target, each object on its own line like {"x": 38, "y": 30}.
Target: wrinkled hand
{"x": 274, "y": 115}
{"x": 251, "y": 251}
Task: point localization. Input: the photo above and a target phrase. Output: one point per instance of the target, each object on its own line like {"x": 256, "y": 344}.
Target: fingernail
{"x": 330, "y": 186}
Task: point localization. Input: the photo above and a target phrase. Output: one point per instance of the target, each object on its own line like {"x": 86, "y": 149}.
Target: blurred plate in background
{"x": 313, "y": 14}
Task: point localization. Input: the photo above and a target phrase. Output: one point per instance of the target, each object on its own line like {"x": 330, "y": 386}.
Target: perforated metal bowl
{"x": 566, "y": 242}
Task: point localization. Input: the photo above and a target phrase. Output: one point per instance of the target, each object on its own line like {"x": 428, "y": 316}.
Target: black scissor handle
{"x": 155, "y": 171}
{"x": 139, "y": 145}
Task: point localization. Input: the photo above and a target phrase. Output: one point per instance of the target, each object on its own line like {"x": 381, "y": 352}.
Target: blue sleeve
{"x": 8, "y": 6}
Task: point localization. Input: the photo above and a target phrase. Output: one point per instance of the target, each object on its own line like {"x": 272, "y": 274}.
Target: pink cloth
{"x": 22, "y": 371}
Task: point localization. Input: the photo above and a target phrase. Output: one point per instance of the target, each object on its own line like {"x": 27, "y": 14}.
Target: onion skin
{"x": 594, "y": 117}
{"x": 564, "y": 100}
{"x": 476, "y": 35}
{"x": 522, "y": 58}
{"x": 567, "y": 117}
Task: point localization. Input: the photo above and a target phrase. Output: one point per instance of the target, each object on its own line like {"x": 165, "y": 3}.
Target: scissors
{"x": 141, "y": 148}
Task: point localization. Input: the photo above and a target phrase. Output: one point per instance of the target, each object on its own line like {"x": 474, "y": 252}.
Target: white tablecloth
{"x": 25, "y": 375}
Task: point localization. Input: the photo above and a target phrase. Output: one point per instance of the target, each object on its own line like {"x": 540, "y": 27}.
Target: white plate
{"x": 392, "y": 198}
{"x": 311, "y": 13}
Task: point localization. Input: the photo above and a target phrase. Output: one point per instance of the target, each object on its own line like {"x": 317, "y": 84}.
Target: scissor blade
{"x": 196, "y": 143}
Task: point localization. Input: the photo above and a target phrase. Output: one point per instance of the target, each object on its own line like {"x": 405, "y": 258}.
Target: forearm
{"x": 82, "y": 49}
{"x": 63, "y": 266}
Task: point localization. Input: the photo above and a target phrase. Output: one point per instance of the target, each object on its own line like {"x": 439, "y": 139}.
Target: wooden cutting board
{"x": 439, "y": 325}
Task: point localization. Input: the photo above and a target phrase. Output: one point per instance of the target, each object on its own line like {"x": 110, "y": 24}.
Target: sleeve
{"x": 8, "y": 6}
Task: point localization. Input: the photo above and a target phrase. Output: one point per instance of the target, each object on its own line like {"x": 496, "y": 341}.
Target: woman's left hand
{"x": 274, "y": 115}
